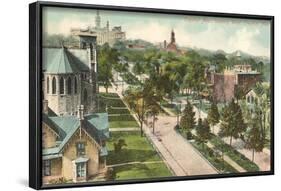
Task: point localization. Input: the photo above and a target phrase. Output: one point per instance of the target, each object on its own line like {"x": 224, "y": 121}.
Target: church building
{"x": 70, "y": 77}
{"x": 73, "y": 133}
{"x": 171, "y": 47}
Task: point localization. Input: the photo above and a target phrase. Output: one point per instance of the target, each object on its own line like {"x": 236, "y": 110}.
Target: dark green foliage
{"x": 119, "y": 145}
{"x": 129, "y": 78}
{"x": 187, "y": 120}
{"x": 107, "y": 57}
{"x": 210, "y": 155}
{"x": 213, "y": 115}
{"x": 219, "y": 60}
{"x": 236, "y": 156}
{"x": 253, "y": 137}
{"x": 203, "y": 131}
{"x": 232, "y": 124}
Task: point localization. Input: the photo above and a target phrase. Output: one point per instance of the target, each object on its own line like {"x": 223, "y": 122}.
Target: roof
{"x": 260, "y": 90}
{"x": 96, "y": 125}
{"x": 65, "y": 61}
{"x": 81, "y": 160}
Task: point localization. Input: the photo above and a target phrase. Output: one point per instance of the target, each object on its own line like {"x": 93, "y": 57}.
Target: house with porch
{"x": 74, "y": 147}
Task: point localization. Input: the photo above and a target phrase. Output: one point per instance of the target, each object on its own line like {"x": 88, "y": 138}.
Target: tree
{"x": 119, "y": 145}
{"x": 138, "y": 68}
{"x": 219, "y": 60}
{"x": 151, "y": 98}
{"x": 135, "y": 99}
{"x": 107, "y": 58}
{"x": 253, "y": 137}
{"x": 213, "y": 115}
{"x": 187, "y": 121}
{"x": 232, "y": 124}
{"x": 203, "y": 131}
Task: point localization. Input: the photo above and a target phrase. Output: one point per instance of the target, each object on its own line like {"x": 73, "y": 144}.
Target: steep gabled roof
{"x": 96, "y": 125}
{"x": 63, "y": 61}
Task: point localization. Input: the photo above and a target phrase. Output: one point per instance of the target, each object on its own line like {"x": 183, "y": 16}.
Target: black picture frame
{"x": 35, "y": 94}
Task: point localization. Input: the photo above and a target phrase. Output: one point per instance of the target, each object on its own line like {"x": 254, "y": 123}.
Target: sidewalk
{"x": 178, "y": 154}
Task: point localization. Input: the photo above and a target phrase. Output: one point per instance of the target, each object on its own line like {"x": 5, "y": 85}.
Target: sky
{"x": 212, "y": 33}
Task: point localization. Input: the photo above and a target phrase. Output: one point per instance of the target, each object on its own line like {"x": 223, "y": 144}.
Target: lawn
{"x": 141, "y": 171}
{"x": 123, "y": 124}
{"x": 119, "y": 115}
{"x": 121, "y": 121}
{"x": 239, "y": 158}
{"x": 138, "y": 148}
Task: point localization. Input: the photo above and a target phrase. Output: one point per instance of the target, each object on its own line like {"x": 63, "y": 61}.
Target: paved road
{"x": 182, "y": 152}
{"x": 177, "y": 153}
{"x": 262, "y": 159}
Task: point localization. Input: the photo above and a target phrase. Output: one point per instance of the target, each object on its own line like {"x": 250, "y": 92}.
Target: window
{"x": 61, "y": 85}
{"x": 81, "y": 169}
{"x": 80, "y": 148}
{"x": 256, "y": 101}
{"x": 248, "y": 99}
{"x": 75, "y": 85}
{"x": 69, "y": 85}
{"x": 54, "y": 87}
{"x": 46, "y": 167}
{"x": 48, "y": 85}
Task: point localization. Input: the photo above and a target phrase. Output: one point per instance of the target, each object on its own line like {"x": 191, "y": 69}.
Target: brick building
{"x": 232, "y": 82}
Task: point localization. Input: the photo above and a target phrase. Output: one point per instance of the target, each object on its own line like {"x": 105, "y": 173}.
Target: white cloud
{"x": 214, "y": 35}
{"x": 151, "y": 31}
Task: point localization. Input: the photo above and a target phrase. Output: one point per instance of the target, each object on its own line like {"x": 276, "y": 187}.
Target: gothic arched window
{"x": 61, "y": 85}
{"x": 48, "y": 85}
{"x": 75, "y": 85}
{"x": 69, "y": 85}
{"x": 54, "y": 86}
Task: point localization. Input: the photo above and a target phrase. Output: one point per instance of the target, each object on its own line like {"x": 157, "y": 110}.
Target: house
{"x": 74, "y": 147}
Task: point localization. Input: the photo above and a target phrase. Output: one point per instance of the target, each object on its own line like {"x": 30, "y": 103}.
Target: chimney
{"x": 45, "y": 107}
{"x": 80, "y": 116}
{"x": 80, "y": 113}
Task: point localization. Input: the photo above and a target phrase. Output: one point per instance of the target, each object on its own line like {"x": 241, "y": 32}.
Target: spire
{"x": 173, "y": 39}
{"x": 98, "y": 19}
{"x": 107, "y": 25}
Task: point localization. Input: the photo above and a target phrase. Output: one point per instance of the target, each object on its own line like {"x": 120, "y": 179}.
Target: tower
{"x": 98, "y": 19}
{"x": 173, "y": 39}
{"x": 107, "y": 26}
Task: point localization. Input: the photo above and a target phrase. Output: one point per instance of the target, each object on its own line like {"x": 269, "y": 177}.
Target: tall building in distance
{"x": 232, "y": 82}
{"x": 172, "y": 45}
{"x": 104, "y": 34}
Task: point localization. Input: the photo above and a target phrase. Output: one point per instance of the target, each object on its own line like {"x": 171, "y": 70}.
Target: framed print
{"x": 123, "y": 95}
